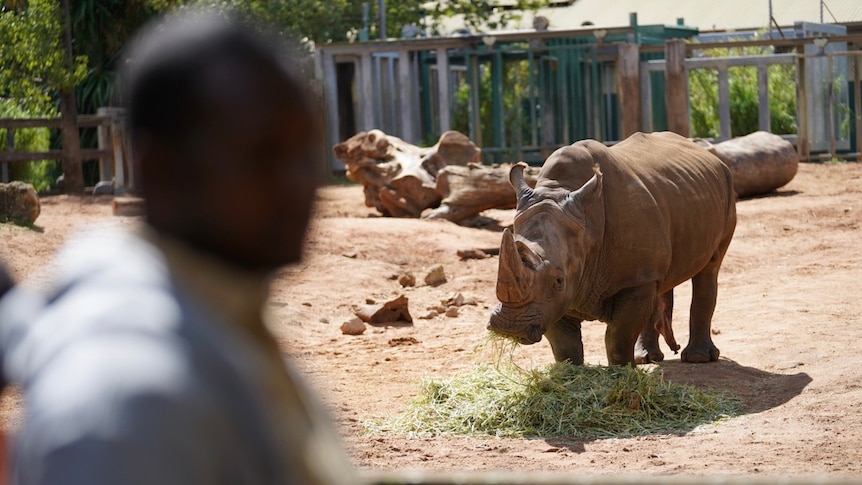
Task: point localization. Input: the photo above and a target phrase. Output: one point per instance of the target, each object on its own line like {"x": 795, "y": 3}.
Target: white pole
{"x": 769, "y": 22}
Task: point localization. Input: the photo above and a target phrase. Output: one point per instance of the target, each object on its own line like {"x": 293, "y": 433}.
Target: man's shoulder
{"x": 111, "y": 299}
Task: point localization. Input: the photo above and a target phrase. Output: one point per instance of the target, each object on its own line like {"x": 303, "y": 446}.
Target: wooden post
{"x": 120, "y": 184}
{"x": 106, "y": 169}
{"x": 763, "y": 117}
{"x": 676, "y": 87}
{"x": 73, "y": 174}
{"x": 330, "y": 96}
{"x": 629, "y": 88}
{"x": 802, "y": 146}
{"x": 405, "y": 95}
{"x": 646, "y": 100}
{"x": 857, "y": 103}
{"x": 724, "y": 131}
{"x": 443, "y": 89}
{"x": 10, "y": 147}
{"x": 366, "y": 91}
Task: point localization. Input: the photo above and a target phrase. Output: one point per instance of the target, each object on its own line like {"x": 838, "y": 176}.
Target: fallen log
{"x": 760, "y": 162}
{"x": 399, "y": 179}
{"x": 469, "y": 190}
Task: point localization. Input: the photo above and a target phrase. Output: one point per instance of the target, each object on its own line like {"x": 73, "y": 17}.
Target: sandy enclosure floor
{"x": 788, "y": 321}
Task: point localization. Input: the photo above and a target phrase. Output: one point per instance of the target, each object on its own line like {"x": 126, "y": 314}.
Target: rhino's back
{"x": 668, "y": 205}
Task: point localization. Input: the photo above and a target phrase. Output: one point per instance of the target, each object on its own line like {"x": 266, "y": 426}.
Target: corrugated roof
{"x": 704, "y": 14}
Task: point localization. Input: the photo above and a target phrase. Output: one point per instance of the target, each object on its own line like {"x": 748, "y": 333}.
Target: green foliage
{"x": 742, "y": 87}
{"x": 515, "y": 110}
{"x": 39, "y": 174}
{"x": 32, "y": 62}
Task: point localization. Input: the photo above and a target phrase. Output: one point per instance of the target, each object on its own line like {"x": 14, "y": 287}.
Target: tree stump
{"x": 760, "y": 162}
{"x": 469, "y": 190}
{"x": 19, "y": 203}
{"x": 399, "y": 179}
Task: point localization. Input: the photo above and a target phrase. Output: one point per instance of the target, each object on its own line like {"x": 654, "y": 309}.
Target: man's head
{"x": 224, "y": 137}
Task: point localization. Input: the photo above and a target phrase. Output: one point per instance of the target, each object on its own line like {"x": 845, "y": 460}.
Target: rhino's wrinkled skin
{"x": 606, "y": 234}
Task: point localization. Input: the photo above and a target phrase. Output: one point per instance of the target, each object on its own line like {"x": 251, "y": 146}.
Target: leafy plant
{"x": 742, "y": 86}
{"x": 40, "y": 174}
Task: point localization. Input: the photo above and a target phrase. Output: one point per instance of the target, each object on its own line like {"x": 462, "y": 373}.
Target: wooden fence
{"x": 635, "y": 87}
{"x": 113, "y": 151}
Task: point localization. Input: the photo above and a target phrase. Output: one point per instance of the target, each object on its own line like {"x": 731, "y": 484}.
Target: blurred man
{"x": 147, "y": 361}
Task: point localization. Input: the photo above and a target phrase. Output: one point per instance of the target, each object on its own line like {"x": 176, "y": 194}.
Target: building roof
{"x": 705, "y": 14}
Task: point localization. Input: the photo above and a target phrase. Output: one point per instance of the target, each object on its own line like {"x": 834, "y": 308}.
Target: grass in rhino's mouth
{"x": 559, "y": 400}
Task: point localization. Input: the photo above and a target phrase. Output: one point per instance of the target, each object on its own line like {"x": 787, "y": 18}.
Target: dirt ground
{"x": 788, "y": 321}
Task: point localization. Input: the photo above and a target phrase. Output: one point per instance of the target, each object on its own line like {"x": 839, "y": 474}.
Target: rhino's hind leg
{"x": 647, "y": 347}
{"x": 565, "y": 339}
{"x": 704, "y": 291}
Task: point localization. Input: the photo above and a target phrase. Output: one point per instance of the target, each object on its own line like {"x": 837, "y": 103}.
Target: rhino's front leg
{"x": 565, "y": 339}
{"x": 632, "y": 311}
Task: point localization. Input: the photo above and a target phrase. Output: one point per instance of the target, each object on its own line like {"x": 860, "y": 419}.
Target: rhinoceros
{"x": 606, "y": 234}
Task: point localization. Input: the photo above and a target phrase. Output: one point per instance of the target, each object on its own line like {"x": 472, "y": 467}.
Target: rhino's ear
{"x": 516, "y": 178}
{"x": 591, "y": 191}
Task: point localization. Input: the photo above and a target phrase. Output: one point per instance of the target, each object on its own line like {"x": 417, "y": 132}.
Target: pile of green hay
{"x": 560, "y": 400}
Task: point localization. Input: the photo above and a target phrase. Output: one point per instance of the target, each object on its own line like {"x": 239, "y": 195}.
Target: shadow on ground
{"x": 757, "y": 389}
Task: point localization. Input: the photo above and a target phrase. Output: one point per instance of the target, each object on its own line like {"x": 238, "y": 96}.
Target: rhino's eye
{"x": 558, "y": 284}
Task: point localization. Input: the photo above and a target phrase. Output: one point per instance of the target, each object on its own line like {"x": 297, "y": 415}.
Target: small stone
{"x": 323, "y": 320}
{"x": 452, "y": 311}
{"x": 306, "y": 303}
{"x": 370, "y": 301}
{"x": 430, "y": 314}
{"x": 440, "y": 308}
{"x": 105, "y": 187}
{"x": 407, "y": 279}
{"x": 354, "y": 326}
{"x": 349, "y": 254}
{"x": 455, "y": 299}
{"x": 436, "y": 276}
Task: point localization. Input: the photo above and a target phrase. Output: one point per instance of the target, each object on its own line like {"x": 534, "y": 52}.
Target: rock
{"x": 19, "y": 203}
{"x": 440, "y": 309}
{"x": 354, "y": 326}
{"x": 105, "y": 187}
{"x": 436, "y": 276}
{"x": 407, "y": 279}
{"x": 387, "y": 312}
{"x": 397, "y": 341}
{"x": 323, "y": 320}
{"x": 429, "y": 315}
{"x": 471, "y": 253}
{"x": 455, "y": 299}
{"x": 452, "y": 311}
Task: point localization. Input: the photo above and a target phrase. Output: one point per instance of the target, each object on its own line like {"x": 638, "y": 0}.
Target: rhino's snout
{"x": 521, "y": 324}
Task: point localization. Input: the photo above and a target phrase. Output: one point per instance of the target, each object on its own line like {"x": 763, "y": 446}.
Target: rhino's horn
{"x": 514, "y": 279}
